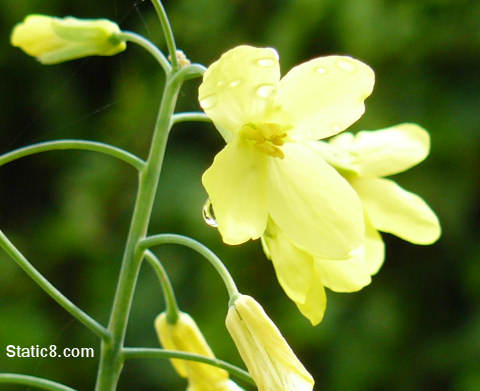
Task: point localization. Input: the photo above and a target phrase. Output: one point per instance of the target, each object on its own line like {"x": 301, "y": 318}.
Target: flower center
{"x": 267, "y": 137}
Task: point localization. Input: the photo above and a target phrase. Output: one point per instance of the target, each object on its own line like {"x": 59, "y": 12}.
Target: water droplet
{"x": 220, "y": 83}
{"x": 208, "y": 214}
{"x": 208, "y": 102}
{"x": 266, "y": 62}
{"x": 346, "y": 65}
{"x": 321, "y": 70}
{"x": 234, "y": 83}
{"x": 265, "y": 90}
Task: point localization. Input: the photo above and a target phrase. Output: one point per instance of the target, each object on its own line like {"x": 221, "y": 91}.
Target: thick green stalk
{"x": 171, "y": 310}
{"x": 33, "y": 381}
{"x": 53, "y": 292}
{"x": 111, "y": 359}
{"x": 167, "y": 32}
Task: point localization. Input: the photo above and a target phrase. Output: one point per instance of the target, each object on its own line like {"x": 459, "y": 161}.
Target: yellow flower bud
{"x": 269, "y": 359}
{"x": 185, "y": 336}
{"x": 53, "y": 40}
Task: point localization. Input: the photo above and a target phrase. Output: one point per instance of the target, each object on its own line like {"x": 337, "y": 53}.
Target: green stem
{"x": 148, "y": 46}
{"x": 33, "y": 381}
{"x": 53, "y": 292}
{"x": 56, "y": 145}
{"x": 203, "y": 250}
{"x": 168, "y": 292}
{"x": 111, "y": 360}
{"x": 167, "y": 32}
{"x": 129, "y": 353}
{"x": 190, "y": 116}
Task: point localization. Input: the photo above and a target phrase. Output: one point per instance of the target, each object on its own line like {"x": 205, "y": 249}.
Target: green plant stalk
{"x": 33, "y": 381}
{"x": 191, "y": 116}
{"x": 53, "y": 292}
{"x": 203, "y": 250}
{"x": 111, "y": 359}
{"x": 167, "y": 32}
{"x": 172, "y": 311}
{"x": 130, "y": 353}
{"x": 84, "y": 145}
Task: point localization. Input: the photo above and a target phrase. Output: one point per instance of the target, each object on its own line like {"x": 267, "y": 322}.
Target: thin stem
{"x": 190, "y": 116}
{"x": 130, "y": 353}
{"x": 167, "y": 32}
{"x": 203, "y": 250}
{"x": 53, "y": 292}
{"x": 56, "y": 145}
{"x": 148, "y": 46}
{"x": 33, "y": 381}
{"x": 168, "y": 292}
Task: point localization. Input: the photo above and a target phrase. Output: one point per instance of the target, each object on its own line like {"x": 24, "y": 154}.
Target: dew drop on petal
{"x": 208, "y": 214}
{"x": 336, "y": 127}
{"x": 208, "y": 102}
{"x": 321, "y": 70}
{"x": 220, "y": 83}
{"x": 265, "y": 90}
{"x": 346, "y": 65}
{"x": 234, "y": 83}
{"x": 266, "y": 62}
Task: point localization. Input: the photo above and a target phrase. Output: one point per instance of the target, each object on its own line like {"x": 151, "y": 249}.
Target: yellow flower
{"x": 269, "y": 168}
{"x": 53, "y": 40}
{"x": 270, "y": 361}
{"x": 303, "y": 276}
{"x": 369, "y": 155}
{"x": 185, "y": 336}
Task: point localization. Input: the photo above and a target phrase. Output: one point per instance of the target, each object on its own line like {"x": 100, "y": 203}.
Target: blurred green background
{"x": 416, "y": 327}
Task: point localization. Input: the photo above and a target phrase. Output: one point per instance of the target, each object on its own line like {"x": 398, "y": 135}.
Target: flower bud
{"x": 53, "y": 40}
{"x": 270, "y": 361}
{"x": 185, "y": 336}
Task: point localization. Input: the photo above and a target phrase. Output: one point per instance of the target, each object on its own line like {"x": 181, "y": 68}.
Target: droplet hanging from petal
{"x": 208, "y": 214}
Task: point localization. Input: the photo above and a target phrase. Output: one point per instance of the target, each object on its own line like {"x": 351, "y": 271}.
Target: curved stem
{"x": 168, "y": 292}
{"x": 190, "y": 116}
{"x": 208, "y": 254}
{"x": 148, "y": 46}
{"x": 130, "y": 353}
{"x": 188, "y": 72}
{"x": 167, "y": 32}
{"x": 55, "y": 145}
{"x": 53, "y": 292}
{"x": 33, "y": 381}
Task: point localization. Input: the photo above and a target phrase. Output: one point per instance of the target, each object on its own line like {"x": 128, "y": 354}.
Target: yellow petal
{"x": 374, "y": 248}
{"x": 236, "y": 185}
{"x": 187, "y": 337}
{"x": 395, "y": 210}
{"x": 312, "y": 204}
{"x": 293, "y": 266}
{"x": 270, "y": 361}
{"x": 316, "y": 301}
{"x": 325, "y": 95}
{"x": 240, "y": 88}
{"x": 346, "y": 275}
{"x": 391, "y": 150}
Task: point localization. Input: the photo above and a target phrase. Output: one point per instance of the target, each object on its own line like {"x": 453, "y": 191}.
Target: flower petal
{"x": 293, "y": 266}
{"x": 312, "y": 204}
{"x": 374, "y": 248}
{"x": 240, "y": 87}
{"x": 348, "y": 275}
{"x": 391, "y": 150}
{"x": 316, "y": 301}
{"x": 236, "y": 185}
{"x": 325, "y": 95}
{"x": 395, "y": 210}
